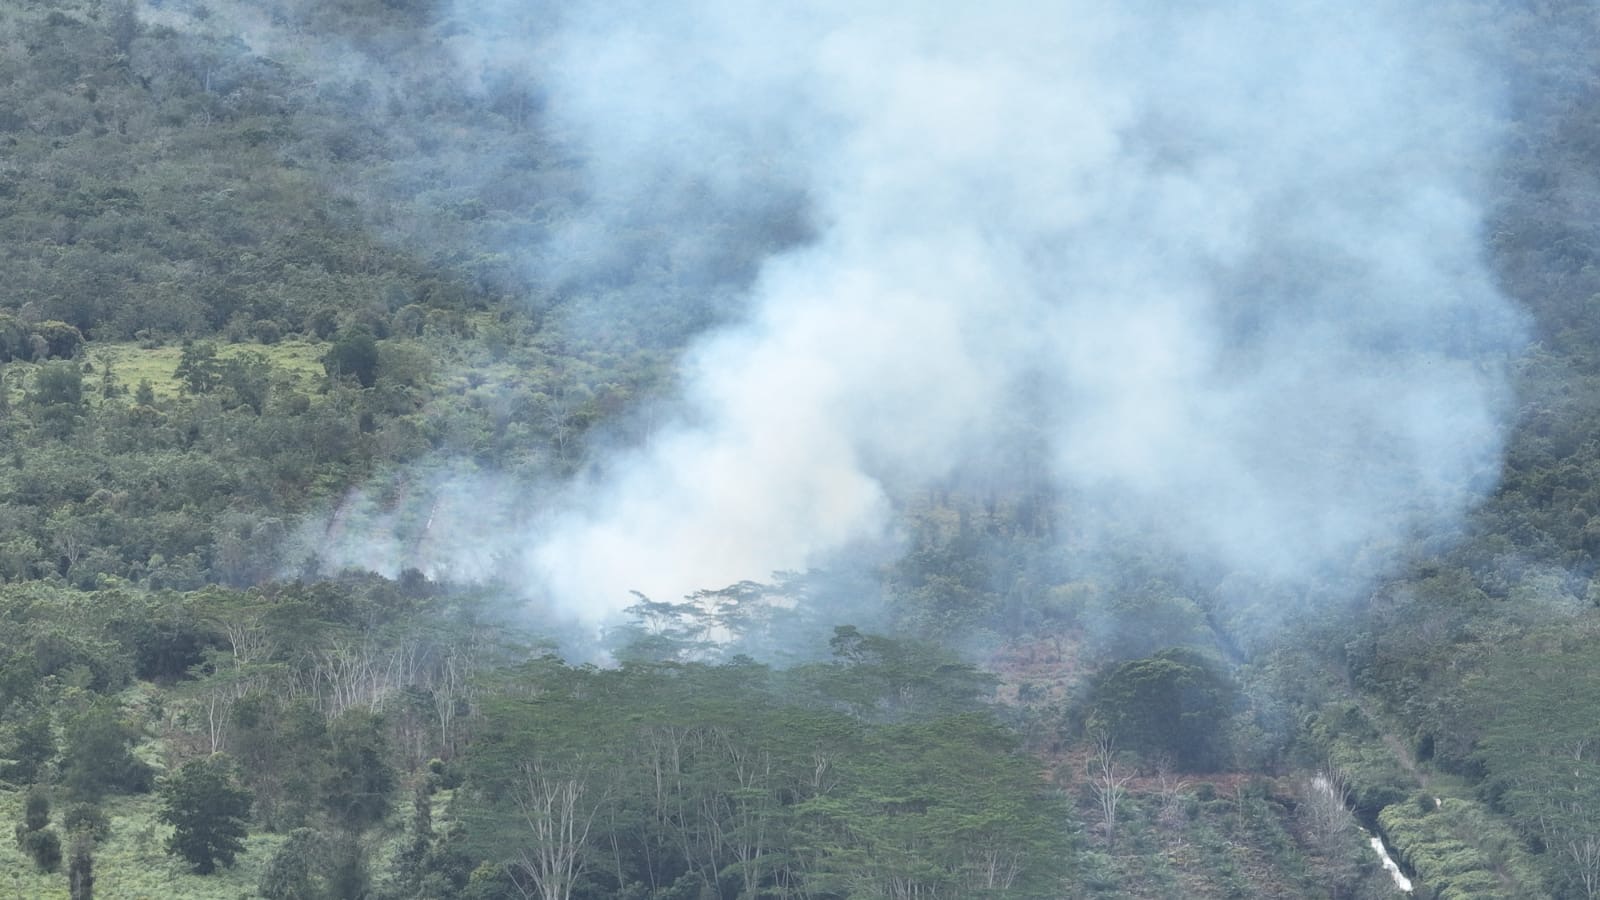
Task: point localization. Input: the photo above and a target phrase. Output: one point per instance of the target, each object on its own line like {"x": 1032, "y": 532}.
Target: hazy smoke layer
{"x": 1225, "y": 255}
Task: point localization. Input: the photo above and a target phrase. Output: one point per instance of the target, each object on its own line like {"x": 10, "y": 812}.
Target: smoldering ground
{"x": 1223, "y": 262}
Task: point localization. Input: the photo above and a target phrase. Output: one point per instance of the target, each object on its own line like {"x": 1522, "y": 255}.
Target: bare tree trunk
{"x": 559, "y": 809}
{"x": 1109, "y": 779}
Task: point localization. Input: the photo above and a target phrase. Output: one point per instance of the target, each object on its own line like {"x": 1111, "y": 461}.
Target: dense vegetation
{"x": 220, "y": 319}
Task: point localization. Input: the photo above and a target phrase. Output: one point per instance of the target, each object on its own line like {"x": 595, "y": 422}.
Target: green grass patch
{"x": 132, "y": 863}
{"x": 131, "y": 363}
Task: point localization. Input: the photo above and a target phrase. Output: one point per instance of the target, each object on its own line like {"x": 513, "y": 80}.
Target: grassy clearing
{"x": 132, "y": 863}
{"x": 130, "y": 363}
{"x": 298, "y": 361}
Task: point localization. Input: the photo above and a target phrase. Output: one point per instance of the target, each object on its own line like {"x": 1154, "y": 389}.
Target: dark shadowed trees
{"x": 353, "y": 355}
{"x": 1177, "y": 702}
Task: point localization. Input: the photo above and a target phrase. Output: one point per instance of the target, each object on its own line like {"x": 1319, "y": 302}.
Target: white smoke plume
{"x": 1227, "y": 256}
{"x": 1222, "y": 262}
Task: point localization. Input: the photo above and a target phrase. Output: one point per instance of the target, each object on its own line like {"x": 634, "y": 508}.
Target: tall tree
{"x": 1176, "y": 702}
{"x": 353, "y": 355}
{"x": 557, "y": 801}
{"x": 359, "y": 787}
{"x": 208, "y": 812}
{"x": 98, "y": 756}
{"x": 80, "y": 867}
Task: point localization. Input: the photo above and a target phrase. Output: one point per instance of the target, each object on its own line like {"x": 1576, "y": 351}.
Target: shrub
{"x": 266, "y": 331}
{"x": 36, "y": 810}
{"x": 86, "y": 818}
{"x": 42, "y": 846}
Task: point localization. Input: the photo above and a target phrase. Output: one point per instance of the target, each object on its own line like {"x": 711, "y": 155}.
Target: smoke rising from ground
{"x": 1227, "y": 257}
{"x": 1213, "y": 271}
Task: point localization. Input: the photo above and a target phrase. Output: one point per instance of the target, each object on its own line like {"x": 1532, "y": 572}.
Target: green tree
{"x": 13, "y": 339}
{"x": 99, "y": 756}
{"x": 61, "y": 339}
{"x": 86, "y": 818}
{"x": 58, "y": 383}
{"x": 359, "y": 787}
{"x": 207, "y": 812}
{"x": 404, "y": 363}
{"x": 283, "y": 754}
{"x": 199, "y": 369}
{"x": 246, "y": 377}
{"x": 884, "y": 679}
{"x": 1534, "y": 705}
{"x": 43, "y": 846}
{"x": 34, "y": 835}
{"x": 353, "y": 355}
{"x": 1177, "y": 702}
{"x": 36, "y": 809}
{"x": 32, "y": 748}
{"x": 80, "y": 867}
{"x": 413, "y": 859}
{"x": 348, "y": 872}
{"x": 549, "y": 785}
{"x": 899, "y": 827}
{"x": 298, "y": 870}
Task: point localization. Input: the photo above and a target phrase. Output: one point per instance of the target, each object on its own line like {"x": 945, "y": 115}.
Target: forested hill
{"x": 294, "y": 328}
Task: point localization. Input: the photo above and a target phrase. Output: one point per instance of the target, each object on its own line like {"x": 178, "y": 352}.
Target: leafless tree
{"x": 559, "y": 804}
{"x": 1171, "y": 786}
{"x": 1584, "y": 852}
{"x": 1325, "y": 808}
{"x": 1108, "y": 778}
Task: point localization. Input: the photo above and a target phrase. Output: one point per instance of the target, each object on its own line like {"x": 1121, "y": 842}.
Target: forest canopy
{"x": 308, "y": 328}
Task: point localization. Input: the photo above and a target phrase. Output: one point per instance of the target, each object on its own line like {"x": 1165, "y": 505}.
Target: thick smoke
{"x": 1218, "y": 266}
{"x": 1225, "y": 256}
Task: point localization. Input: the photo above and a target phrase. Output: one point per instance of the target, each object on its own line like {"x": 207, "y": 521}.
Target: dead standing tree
{"x": 558, "y": 804}
{"x": 1108, "y": 778}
